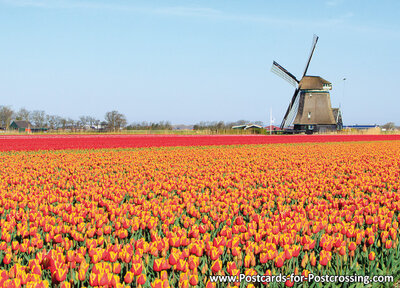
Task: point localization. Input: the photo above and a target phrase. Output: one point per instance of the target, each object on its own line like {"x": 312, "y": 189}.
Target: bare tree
{"x": 23, "y": 114}
{"x": 115, "y": 120}
{"x": 62, "y": 123}
{"x": 83, "y": 121}
{"x": 6, "y": 114}
{"x": 70, "y": 123}
{"x": 53, "y": 121}
{"x": 389, "y": 126}
{"x": 38, "y": 118}
{"x": 92, "y": 121}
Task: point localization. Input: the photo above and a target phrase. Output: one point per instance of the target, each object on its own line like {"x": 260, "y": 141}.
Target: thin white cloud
{"x": 205, "y": 12}
{"x": 61, "y": 4}
{"x": 25, "y": 3}
{"x": 333, "y": 3}
{"x": 188, "y": 11}
{"x": 179, "y": 11}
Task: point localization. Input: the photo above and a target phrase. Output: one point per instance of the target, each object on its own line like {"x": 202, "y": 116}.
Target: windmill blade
{"x": 314, "y": 43}
{"x": 291, "y": 110}
{"x": 282, "y": 72}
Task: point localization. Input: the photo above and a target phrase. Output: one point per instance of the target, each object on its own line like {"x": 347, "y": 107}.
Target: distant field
{"x": 59, "y": 142}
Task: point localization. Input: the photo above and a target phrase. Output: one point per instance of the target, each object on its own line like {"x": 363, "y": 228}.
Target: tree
{"x": 70, "y": 123}
{"x": 115, "y": 120}
{"x": 62, "y": 123}
{"x": 220, "y": 125}
{"x": 53, "y": 121}
{"x": 6, "y": 114}
{"x": 83, "y": 121}
{"x": 389, "y": 126}
{"x": 91, "y": 121}
{"x": 38, "y": 118}
{"x": 23, "y": 114}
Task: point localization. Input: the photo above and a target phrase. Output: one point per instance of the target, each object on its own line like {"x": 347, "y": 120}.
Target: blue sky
{"x": 190, "y": 61}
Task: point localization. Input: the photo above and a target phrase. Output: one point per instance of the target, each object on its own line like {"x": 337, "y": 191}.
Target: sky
{"x": 190, "y": 61}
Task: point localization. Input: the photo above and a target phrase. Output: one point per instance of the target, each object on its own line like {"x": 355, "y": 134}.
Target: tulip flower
{"x": 136, "y": 269}
{"x": 388, "y": 244}
{"x": 371, "y": 256}
{"x": 140, "y": 280}
{"x": 352, "y": 246}
{"x": 129, "y": 277}
{"x": 216, "y": 266}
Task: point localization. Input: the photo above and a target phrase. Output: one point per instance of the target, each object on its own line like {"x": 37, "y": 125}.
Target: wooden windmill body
{"x": 310, "y": 109}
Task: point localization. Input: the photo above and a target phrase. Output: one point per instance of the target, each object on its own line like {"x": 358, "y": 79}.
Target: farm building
{"x": 247, "y": 126}
{"x": 21, "y": 125}
{"x": 272, "y": 128}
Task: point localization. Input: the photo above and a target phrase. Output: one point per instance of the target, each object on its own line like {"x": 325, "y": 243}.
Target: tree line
{"x": 162, "y": 125}
{"x": 221, "y": 125}
{"x": 113, "y": 121}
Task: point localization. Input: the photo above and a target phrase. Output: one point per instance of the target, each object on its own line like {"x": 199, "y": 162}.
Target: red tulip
{"x": 342, "y": 250}
{"x": 173, "y": 258}
{"x": 280, "y": 260}
{"x": 103, "y": 279}
{"x": 193, "y": 280}
{"x": 210, "y": 284}
{"x": 7, "y": 259}
{"x": 141, "y": 279}
{"x": 158, "y": 264}
{"x": 216, "y": 266}
{"x": 371, "y": 256}
{"x": 289, "y": 283}
{"x": 157, "y": 284}
{"x": 117, "y": 268}
{"x": 136, "y": 268}
{"x": 128, "y": 277}
{"x": 388, "y": 244}
{"x": 61, "y": 273}
{"x": 352, "y": 246}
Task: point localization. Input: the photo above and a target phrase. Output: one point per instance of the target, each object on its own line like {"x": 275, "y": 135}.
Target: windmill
{"x": 310, "y": 107}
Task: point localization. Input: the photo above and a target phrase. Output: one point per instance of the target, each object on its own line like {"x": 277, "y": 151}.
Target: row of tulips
{"x": 171, "y": 217}
{"x": 57, "y": 142}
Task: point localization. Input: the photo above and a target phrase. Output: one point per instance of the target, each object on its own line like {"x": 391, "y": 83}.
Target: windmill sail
{"x": 282, "y": 72}
{"x": 314, "y": 43}
{"x": 291, "y": 110}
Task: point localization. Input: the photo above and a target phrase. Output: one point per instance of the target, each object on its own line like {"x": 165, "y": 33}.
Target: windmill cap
{"x": 314, "y": 83}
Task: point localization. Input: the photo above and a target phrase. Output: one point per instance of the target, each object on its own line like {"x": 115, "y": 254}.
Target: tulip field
{"x": 81, "y": 213}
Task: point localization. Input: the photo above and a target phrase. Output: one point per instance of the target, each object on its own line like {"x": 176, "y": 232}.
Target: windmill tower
{"x": 310, "y": 108}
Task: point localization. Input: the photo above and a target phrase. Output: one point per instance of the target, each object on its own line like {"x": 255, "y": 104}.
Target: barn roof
{"x": 272, "y": 127}
{"x": 247, "y": 126}
{"x": 22, "y": 124}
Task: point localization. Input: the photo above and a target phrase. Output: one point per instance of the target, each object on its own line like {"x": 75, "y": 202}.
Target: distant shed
{"x": 21, "y": 125}
{"x": 247, "y": 126}
{"x": 272, "y": 127}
